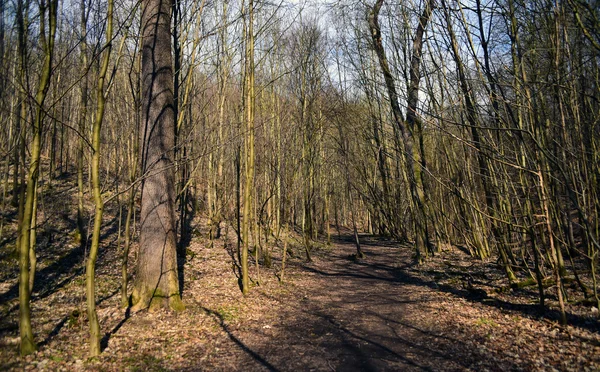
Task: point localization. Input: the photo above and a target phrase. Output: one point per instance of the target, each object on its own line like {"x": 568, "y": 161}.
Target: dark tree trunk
{"x": 157, "y": 283}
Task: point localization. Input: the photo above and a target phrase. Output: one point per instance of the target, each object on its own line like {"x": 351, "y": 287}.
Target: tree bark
{"x": 157, "y": 282}
{"x": 81, "y": 236}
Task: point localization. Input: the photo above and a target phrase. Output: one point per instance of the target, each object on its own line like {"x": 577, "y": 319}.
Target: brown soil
{"x": 383, "y": 313}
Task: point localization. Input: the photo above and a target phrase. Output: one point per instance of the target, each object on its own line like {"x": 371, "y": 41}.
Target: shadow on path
{"x": 256, "y": 356}
{"x": 375, "y": 268}
{"x": 370, "y": 315}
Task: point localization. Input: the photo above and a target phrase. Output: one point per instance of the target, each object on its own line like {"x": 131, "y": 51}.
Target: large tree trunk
{"x": 157, "y": 283}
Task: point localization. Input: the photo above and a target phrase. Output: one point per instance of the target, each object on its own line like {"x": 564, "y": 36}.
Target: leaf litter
{"x": 334, "y": 313}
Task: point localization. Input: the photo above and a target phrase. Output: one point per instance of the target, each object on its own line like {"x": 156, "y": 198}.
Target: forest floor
{"x": 381, "y": 313}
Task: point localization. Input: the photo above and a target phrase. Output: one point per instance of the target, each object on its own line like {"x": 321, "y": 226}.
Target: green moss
{"x": 73, "y": 318}
{"x": 76, "y": 236}
{"x": 525, "y": 283}
{"x": 156, "y": 303}
{"x": 159, "y": 300}
{"x": 176, "y": 304}
{"x": 228, "y": 313}
{"x": 156, "y": 298}
{"x": 190, "y": 254}
{"x": 28, "y": 347}
{"x": 56, "y": 358}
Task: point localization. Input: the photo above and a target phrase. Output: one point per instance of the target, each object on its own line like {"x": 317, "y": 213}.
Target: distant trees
{"x": 409, "y": 129}
{"x": 493, "y": 180}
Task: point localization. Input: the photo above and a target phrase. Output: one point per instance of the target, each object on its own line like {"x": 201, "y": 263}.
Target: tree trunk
{"x": 157, "y": 282}
{"x": 47, "y": 41}
{"x": 90, "y": 269}
{"x": 81, "y": 236}
{"x": 249, "y": 118}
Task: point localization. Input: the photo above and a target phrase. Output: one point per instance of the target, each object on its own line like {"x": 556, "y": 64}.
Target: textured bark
{"x": 416, "y": 128}
{"x": 157, "y": 283}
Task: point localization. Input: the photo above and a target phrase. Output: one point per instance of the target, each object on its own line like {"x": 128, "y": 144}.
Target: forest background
{"x": 438, "y": 124}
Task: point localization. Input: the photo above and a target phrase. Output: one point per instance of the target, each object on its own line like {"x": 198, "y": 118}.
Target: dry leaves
{"x": 381, "y": 313}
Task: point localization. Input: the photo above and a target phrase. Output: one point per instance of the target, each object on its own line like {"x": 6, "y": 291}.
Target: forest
{"x": 299, "y": 185}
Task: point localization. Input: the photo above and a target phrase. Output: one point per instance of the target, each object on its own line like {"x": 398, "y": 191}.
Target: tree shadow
{"x": 59, "y": 273}
{"x": 234, "y": 255}
{"x": 55, "y": 331}
{"x": 8, "y": 366}
{"x": 60, "y": 325}
{"x": 348, "y": 329}
{"x": 372, "y": 240}
{"x": 48, "y": 280}
{"x": 185, "y": 238}
{"x": 363, "y": 328}
{"x": 115, "y": 329}
{"x": 364, "y": 269}
{"x": 364, "y": 352}
{"x": 255, "y": 355}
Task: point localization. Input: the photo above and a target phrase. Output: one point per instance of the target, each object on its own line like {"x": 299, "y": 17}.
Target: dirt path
{"x": 364, "y": 316}
{"x": 382, "y": 313}
{"x": 361, "y": 316}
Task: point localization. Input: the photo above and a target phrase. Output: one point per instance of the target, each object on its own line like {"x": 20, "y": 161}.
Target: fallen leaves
{"x": 331, "y": 314}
